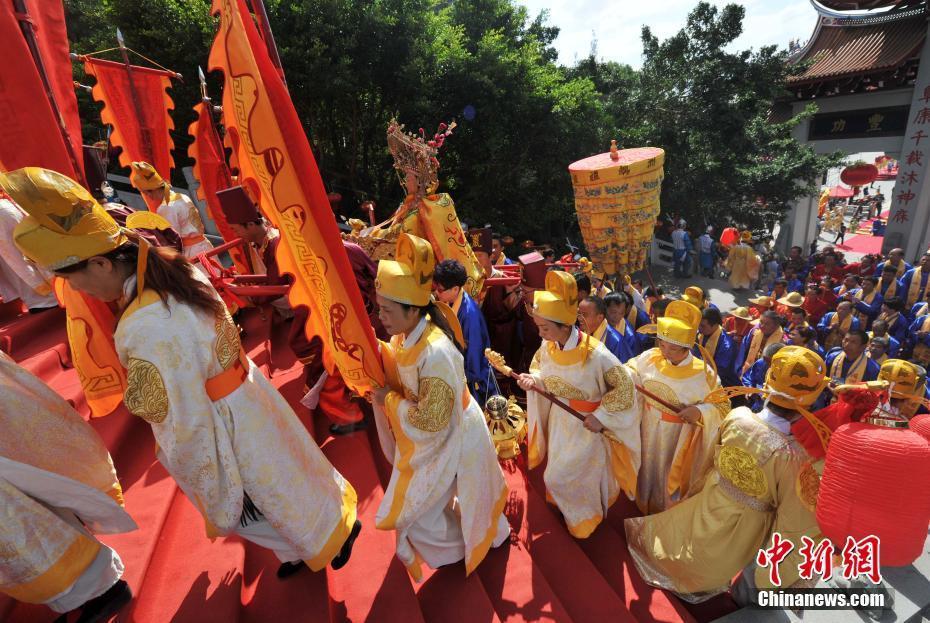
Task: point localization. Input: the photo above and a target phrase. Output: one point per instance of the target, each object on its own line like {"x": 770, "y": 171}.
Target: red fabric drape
{"x": 141, "y": 125}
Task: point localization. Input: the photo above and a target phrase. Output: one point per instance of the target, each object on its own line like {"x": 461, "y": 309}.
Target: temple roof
{"x": 885, "y": 47}
{"x": 865, "y": 5}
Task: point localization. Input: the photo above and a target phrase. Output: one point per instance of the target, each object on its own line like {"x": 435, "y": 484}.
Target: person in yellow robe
{"x": 763, "y": 481}
{"x": 589, "y": 462}
{"x": 446, "y": 496}
{"x": 677, "y": 445}
{"x": 174, "y": 207}
{"x": 229, "y": 439}
{"x": 57, "y": 487}
{"x": 424, "y": 213}
{"x": 743, "y": 263}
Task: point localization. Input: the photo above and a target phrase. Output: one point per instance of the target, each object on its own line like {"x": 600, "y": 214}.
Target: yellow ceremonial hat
{"x": 559, "y": 301}
{"x": 792, "y": 299}
{"x": 796, "y": 377}
{"x": 745, "y": 236}
{"x": 408, "y": 278}
{"x": 65, "y": 224}
{"x": 907, "y": 379}
{"x": 694, "y": 295}
{"x": 679, "y": 324}
{"x": 145, "y": 177}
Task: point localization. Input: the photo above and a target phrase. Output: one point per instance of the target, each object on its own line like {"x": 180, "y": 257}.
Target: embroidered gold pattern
{"x": 740, "y": 468}
{"x": 534, "y": 365}
{"x": 227, "y": 340}
{"x": 661, "y": 390}
{"x": 560, "y": 387}
{"x": 620, "y": 398}
{"x": 807, "y": 486}
{"x": 434, "y": 408}
{"x": 145, "y": 392}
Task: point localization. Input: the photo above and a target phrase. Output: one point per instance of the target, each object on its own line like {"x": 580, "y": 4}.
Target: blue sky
{"x": 616, "y": 24}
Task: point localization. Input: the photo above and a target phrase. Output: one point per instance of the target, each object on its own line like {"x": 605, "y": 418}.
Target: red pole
{"x": 261, "y": 15}
{"x": 28, "y": 28}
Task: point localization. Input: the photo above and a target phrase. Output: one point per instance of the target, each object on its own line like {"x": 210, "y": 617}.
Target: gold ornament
{"x": 507, "y": 425}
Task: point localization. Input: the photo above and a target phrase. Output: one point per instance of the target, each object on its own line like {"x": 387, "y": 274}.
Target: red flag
{"x": 29, "y": 131}
{"x": 138, "y": 111}
{"x": 211, "y": 171}
{"x": 273, "y": 151}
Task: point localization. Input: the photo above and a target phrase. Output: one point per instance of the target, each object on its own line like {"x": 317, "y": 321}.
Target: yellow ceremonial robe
{"x": 185, "y": 219}
{"x": 249, "y": 442}
{"x": 743, "y": 264}
{"x": 585, "y": 471}
{"x": 676, "y": 455}
{"x": 763, "y": 481}
{"x": 447, "y": 493}
{"x": 52, "y": 465}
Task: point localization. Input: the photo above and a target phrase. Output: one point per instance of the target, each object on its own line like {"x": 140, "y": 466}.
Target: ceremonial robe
{"x": 585, "y": 471}
{"x": 763, "y": 481}
{"x": 185, "y": 219}
{"x": 723, "y": 349}
{"x": 676, "y": 455}
{"x": 475, "y": 332}
{"x": 629, "y": 341}
{"x": 743, "y": 264}
{"x": 446, "y": 496}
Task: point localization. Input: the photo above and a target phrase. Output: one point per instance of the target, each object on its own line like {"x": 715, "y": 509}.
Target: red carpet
{"x": 864, "y": 242}
{"x": 179, "y": 575}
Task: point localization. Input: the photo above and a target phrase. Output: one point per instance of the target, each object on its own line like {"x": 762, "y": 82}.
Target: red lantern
{"x": 859, "y": 174}
{"x": 921, "y": 425}
{"x": 876, "y": 480}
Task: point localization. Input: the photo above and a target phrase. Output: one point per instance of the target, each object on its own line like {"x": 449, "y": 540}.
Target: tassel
{"x": 250, "y": 512}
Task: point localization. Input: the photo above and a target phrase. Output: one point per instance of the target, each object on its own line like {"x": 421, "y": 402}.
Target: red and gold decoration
{"x": 859, "y": 174}
{"x": 617, "y": 201}
{"x": 277, "y": 166}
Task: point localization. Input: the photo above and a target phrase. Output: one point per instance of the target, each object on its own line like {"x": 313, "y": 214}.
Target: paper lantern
{"x": 876, "y": 480}
{"x": 859, "y": 174}
{"x": 920, "y": 424}
{"x": 617, "y": 201}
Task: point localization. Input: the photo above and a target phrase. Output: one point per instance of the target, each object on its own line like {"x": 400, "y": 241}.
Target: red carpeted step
{"x": 32, "y": 333}
{"x": 583, "y": 591}
{"x": 302, "y": 597}
{"x": 444, "y": 591}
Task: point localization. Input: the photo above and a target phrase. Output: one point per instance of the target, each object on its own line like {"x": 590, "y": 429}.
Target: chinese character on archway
{"x": 900, "y": 216}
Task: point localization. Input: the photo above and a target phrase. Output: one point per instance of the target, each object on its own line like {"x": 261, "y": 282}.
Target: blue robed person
{"x": 592, "y": 318}
{"x": 619, "y": 305}
{"x": 448, "y": 282}
{"x": 719, "y": 345}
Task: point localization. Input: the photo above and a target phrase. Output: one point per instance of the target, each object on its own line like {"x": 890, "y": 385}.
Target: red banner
{"x": 137, "y": 110}
{"x": 29, "y": 131}
{"x": 275, "y": 159}
{"x": 211, "y": 171}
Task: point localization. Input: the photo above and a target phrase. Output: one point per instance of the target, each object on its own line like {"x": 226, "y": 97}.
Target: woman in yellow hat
{"x": 586, "y": 470}
{"x": 677, "y": 445}
{"x": 447, "y": 492}
{"x": 762, "y": 482}
{"x": 174, "y": 207}
{"x": 229, "y": 439}
{"x": 743, "y": 263}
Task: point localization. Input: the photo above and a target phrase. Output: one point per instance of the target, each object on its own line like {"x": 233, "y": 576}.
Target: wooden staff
{"x": 497, "y": 360}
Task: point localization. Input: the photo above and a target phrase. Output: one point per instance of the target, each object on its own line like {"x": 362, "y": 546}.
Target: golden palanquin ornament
{"x": 617, "y": 201}
{"x": 507, "y": 425}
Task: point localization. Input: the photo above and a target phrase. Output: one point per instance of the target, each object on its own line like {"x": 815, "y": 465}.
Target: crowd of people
{"x": 622, "y": 387}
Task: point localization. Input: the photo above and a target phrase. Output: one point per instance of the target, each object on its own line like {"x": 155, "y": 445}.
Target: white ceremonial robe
{"x": 676, "y": 455}
{"x": 56, "y": 477}
{"x": 585, "y": 471}
{"x": 185, "y": 219}
{"x": 248, "y": 442}
{"x": 447, "y": 493}
{"x": 19, "y": 278}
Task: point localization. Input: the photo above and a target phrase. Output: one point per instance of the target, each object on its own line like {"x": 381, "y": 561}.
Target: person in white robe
{"x": 446, "y": 496}
{"x": 229, "y": 439}
{"x": 589, "y": 462}
{"x": 19, "y": 279}
{"x": 57, "y": 488}
{"x": 677, "y": 442}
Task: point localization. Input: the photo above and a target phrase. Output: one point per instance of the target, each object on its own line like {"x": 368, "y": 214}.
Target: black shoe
{"x": 346, "y": 429}
{"x": 287, "y": 569}
{"x": 102, "y": 607}
{"x": 340, "y": 561}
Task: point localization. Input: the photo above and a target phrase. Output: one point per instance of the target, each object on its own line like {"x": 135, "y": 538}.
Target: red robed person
{"x": 327, "y": 393}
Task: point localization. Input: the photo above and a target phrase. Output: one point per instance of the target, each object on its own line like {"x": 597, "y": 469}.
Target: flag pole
{"x": 261, "y": 16}
{"x": 28, "y": 28}
{"x": 134, "y": 95}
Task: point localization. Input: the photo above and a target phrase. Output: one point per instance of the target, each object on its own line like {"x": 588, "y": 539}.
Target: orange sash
{"x": 229, "y": 380}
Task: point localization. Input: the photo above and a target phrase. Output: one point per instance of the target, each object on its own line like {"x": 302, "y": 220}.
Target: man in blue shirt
{"x": 718, "y": 345}
{"x": 849, "y": 363}
{"x": 592, "y": 318}
{"x": 755, "y": 376}
{"x": 448, "y": 282}
{"x": 916, "y": 277}
{"x": 618, "y": 305}
{"x": 866, "y": 301}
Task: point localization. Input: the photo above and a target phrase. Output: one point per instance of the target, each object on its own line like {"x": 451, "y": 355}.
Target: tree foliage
{"x": 522, "y": 117}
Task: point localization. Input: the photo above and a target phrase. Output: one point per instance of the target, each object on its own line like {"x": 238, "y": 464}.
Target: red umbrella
{"x": 840, "y": 192}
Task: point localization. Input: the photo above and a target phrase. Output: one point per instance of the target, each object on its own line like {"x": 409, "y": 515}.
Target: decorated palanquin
{"x": 424, "y": 213}
{"x": 617, "y": 201}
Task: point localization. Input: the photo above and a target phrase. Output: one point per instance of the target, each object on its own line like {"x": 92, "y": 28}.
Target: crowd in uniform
{"x": 638, "y": 377}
